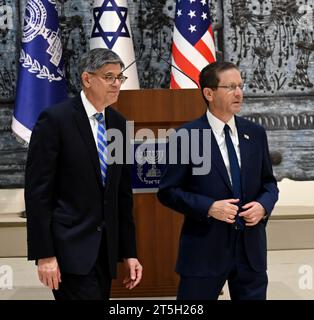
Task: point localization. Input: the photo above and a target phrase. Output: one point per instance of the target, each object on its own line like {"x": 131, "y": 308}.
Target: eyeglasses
{"x": 110, "y": 78}
{"x": 232, "y": 87}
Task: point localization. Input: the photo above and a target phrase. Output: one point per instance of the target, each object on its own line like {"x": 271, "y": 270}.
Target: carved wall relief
{"x": 270, "y": 40}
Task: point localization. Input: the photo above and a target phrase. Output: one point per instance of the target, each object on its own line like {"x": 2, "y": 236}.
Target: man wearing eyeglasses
{"x": 223, "y": 236}
{"x": 78, "y": 203}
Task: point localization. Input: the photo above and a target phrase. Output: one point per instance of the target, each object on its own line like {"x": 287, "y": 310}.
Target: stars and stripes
{"x": 193, "y": 42}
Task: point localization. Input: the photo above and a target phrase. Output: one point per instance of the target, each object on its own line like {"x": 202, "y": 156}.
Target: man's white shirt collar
{"x": 218, "y": 126}
{"x": 89, "y": 108}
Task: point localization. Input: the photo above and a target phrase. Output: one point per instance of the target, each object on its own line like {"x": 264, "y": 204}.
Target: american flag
{"x": 193, "y": 43}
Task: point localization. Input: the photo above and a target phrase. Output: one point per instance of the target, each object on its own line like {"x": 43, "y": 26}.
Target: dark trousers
{"x": 244, "y": 283}
{"x": 94, "y": 286}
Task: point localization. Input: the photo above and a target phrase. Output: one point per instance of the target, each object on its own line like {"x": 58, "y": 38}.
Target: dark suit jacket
{"x": 205, "y": 243}
{"x": 66, "y": 205}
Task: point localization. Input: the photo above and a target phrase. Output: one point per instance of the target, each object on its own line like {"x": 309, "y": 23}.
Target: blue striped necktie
{"x": 235, "y": 176}
{"x": 102, "y": 145}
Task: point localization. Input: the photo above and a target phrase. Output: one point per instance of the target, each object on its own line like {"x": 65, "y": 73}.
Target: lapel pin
{"x": 246, "y": 137}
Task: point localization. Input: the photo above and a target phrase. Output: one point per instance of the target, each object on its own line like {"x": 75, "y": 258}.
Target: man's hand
{"x": 134, "y": 273}
{"x": 49, "y": 272}
{"x": 224, "y": 210}
{"x": 253, "y": 214}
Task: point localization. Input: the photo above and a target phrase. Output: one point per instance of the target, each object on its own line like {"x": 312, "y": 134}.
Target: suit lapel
{"x": 219, "y": 163}
{"x": 87, "y": 136}
{"x": 244, "y": 145}
{"x": 216, "y": 157}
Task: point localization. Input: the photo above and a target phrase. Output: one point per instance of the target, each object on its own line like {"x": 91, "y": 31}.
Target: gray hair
{"x": 96, "y": 58}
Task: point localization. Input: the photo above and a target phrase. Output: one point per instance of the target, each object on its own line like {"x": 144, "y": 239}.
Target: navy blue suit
{"x": 69, "y": 211}
{"x": 206, "y": 244}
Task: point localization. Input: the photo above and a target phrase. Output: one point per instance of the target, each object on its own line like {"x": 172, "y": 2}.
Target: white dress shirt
{"x": 91, "y": 111}
{"x": 218, "y": 130}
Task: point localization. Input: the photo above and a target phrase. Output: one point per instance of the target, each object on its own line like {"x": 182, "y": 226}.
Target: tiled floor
{"x": 289, "y": 272}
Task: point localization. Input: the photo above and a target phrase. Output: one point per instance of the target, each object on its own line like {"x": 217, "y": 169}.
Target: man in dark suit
{"x": 225, "y": 210}
{"x": 78, "y": 202}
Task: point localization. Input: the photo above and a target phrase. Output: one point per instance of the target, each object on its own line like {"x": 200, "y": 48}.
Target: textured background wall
{"x": 271, "y": 41}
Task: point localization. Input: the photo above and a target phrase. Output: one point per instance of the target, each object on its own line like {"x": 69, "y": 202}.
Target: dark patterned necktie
{"x": 235, "y": 175}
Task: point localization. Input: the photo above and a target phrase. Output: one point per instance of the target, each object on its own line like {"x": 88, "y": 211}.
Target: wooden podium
{"x": 157, "y": 227}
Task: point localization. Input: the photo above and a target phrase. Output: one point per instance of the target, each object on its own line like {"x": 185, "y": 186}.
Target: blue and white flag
{"x": 41, "y": 80}
{"x": 111, "y": 29}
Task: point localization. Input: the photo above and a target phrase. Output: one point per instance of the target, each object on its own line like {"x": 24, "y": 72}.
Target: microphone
{"x": 171, "y": 65}
{"x": 136, "y": 59}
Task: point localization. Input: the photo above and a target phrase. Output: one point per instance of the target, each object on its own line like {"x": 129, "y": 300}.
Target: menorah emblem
{"x": 35, "y": 25}
{"x": 154, "y": 156}
{"x": 148, "y": 156}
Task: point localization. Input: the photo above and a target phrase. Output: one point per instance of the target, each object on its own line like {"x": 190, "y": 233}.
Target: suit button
{"x": 99, "y": 228}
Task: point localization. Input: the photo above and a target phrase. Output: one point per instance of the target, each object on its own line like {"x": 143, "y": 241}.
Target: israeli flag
{"x": 41, "y": 81}
{"x": 111, "y": 29}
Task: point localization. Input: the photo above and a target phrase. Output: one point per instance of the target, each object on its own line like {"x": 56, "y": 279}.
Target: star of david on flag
{"x": 111, "y": 29}
{"x": 193, "y": 42}
{"x": 41, "y": 80}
